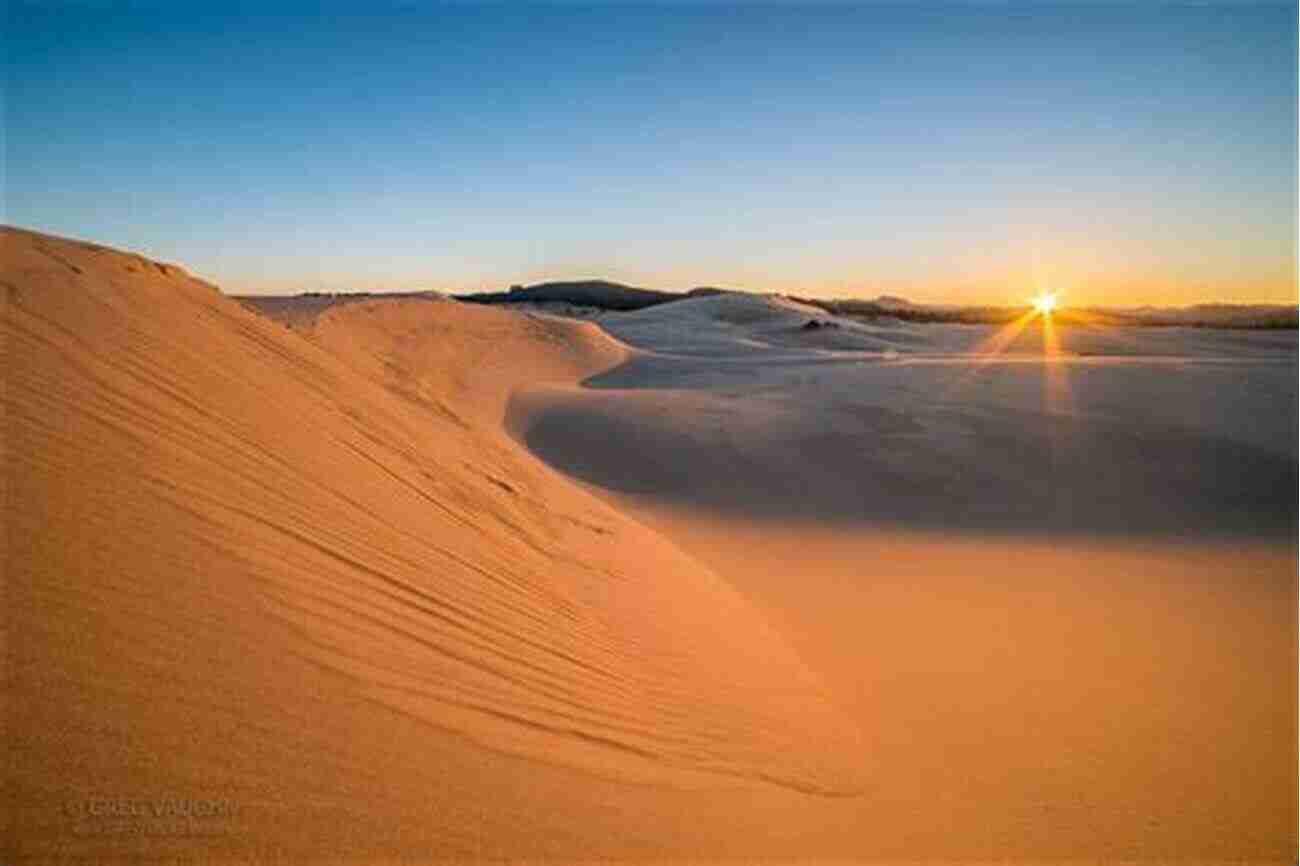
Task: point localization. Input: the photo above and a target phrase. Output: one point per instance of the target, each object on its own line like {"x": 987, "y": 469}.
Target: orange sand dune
{"x": 314, "y": 577}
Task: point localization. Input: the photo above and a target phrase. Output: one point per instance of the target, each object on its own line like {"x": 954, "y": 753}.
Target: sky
{"x": 1121, "y": 153}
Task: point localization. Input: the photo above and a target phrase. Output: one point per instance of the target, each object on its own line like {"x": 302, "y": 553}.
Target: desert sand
{"x": 410, "y": 579}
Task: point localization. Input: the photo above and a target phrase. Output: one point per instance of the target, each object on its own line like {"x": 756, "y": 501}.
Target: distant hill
{"x": 602, "y": 294}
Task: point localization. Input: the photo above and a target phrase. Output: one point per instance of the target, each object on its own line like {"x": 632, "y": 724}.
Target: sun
{"x": 1045, "y": 303}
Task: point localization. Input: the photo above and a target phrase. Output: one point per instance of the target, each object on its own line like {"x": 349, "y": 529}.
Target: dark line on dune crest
{"x": 41, "y": 248}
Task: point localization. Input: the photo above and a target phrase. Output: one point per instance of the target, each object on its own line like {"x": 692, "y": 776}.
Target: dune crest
{"x": 209, "y": 510}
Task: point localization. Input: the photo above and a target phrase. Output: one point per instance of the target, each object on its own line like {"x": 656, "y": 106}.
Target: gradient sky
{"x": 1125, "y": 153}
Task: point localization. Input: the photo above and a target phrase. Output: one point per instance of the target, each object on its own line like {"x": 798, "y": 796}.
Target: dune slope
{"x": 1060, "y": 592}
{"x": 312, "y": 573}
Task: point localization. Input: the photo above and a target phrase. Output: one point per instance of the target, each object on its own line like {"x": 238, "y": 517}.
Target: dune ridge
{"x": 229, "y": 544}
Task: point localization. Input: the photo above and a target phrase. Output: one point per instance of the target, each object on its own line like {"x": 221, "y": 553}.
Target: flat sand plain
{"x": 412, "y": 579}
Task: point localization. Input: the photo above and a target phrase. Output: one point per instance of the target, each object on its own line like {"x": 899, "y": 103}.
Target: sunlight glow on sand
{"x": 1056, "y": 383}
{"x": 1056, "y": 386}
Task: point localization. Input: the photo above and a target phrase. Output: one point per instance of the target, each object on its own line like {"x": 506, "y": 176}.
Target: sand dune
{"x": 244, "y": 560}
{"x": 735, "y": 325}
{"x": 1061, "y": 595}
{"x": 730, "y": 412}
{"x": 303, "y": 564}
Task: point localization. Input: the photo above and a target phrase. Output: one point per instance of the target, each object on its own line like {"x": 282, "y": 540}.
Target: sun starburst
{"x": 1045, "y": 302}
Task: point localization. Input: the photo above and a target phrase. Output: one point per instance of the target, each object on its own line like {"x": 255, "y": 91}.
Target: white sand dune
{"x": 736, "y": 326}
{"x": 726, "y": 413}
{"x": 301, "y": 563}
{"x": 1061, "y": 595}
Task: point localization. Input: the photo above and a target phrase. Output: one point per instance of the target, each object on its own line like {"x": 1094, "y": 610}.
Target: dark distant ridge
{"x": 605, "y": 295}
{"x": 588, "y": 293}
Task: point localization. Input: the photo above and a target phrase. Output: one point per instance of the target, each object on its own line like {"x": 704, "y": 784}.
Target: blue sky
{"x": 1126, "y": 153}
